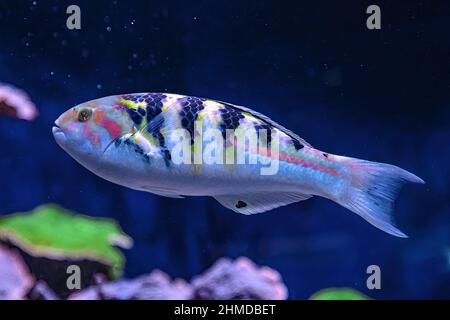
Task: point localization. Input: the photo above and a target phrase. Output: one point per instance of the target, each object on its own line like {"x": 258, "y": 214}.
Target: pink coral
{"x": 16, "y": 280}
{"x": 16, "y": 103}
{"x": 155, "y": 286}
{"x": 226, "y": 279}
{"x": 241, "y": 279}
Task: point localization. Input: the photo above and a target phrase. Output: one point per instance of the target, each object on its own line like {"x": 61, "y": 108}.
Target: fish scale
{"x": 190, "y": 109}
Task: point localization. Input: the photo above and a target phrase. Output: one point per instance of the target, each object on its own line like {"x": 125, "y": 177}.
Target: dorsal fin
{"x": 269, "y": 121}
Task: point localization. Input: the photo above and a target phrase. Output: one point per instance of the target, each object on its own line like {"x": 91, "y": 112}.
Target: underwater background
{"x": 312, "y": 66}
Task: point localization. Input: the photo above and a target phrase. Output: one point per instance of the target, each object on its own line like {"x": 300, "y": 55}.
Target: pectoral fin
{"x": 168, "y": 195}
{"x": 154, "y": 125}
{"x": 164, "y": 192}
{"x": 259, "y": 202}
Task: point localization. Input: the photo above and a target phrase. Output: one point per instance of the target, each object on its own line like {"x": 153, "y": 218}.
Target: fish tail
{"x": 372, "y": 190}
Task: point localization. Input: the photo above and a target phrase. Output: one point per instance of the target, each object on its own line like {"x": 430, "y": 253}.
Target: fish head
{"x": 88, "y": 129}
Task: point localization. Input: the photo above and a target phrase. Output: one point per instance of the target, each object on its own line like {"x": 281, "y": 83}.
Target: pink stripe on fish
{"x": 309, "y": 164}
{"x": 91, "y": 135}
{"x": 113, "y": 128}
{"x": 301, "y": 162}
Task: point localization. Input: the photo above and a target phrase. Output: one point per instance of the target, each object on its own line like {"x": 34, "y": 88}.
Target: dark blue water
{"x": 312, "y": 66}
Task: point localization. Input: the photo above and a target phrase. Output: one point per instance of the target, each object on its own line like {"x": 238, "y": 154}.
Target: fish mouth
{"x": 57, "y": 131}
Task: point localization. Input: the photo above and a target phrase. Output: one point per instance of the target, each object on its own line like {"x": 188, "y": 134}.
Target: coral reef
{"x": 241, "y": 279}
{"x": 226, "y": 279}
{"x": 15, "y": 277}
{"x": 16, "y": 103}
{"x": 50, "y": 239}
{"x": 41, "y": 291}
{"x": 155, "y": 286}
{"x": 55, "y": 233}
{"x": 38, "y": 247}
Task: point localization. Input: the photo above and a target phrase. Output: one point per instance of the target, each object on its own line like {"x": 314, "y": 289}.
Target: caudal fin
{"x": 372, "y": 190}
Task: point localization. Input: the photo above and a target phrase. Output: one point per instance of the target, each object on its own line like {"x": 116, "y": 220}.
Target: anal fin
{"x": 164, "y": 192}
{"x": 259, "y": 202}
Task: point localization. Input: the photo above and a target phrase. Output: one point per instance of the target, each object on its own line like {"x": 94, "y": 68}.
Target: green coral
{"x": 339, "y": 294}
{"x": 54, "y": 232}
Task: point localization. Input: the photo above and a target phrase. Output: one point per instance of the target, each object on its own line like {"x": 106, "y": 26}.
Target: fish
{"x": 176, "y": 146}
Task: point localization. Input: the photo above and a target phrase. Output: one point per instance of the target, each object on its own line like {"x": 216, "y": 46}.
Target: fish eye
{"x": 84, "y": 115}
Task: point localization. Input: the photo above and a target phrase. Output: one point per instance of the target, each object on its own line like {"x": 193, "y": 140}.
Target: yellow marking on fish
{"x": 211, "y": 113}
{"x": 197, "y": 169}
{"x": 170, "y": 100}
{"x": 133, "y": 105}
{"x": 249, "y": 117}
{"x": 148, "y": 146}
{"x": 196, "y": 154}
{"x": 165, "y": 106}
{"x": 149, "y": 137}
{"x": 163, "y": 132}
{"x": 230, "y": 154}
{"x": 213, "y": 104}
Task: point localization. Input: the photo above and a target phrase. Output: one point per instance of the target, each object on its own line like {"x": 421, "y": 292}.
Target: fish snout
{"x": 57, "y": 131}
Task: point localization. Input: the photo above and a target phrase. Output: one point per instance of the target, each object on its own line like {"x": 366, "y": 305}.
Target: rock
{"x": 51, "y": 240}
{"x": 55, "y": 233}
{"x": 41, "y": 291}
{"x": 241, "y": 279}
{"x": 16, "y": 280}
{"x": 155, "y": 286}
